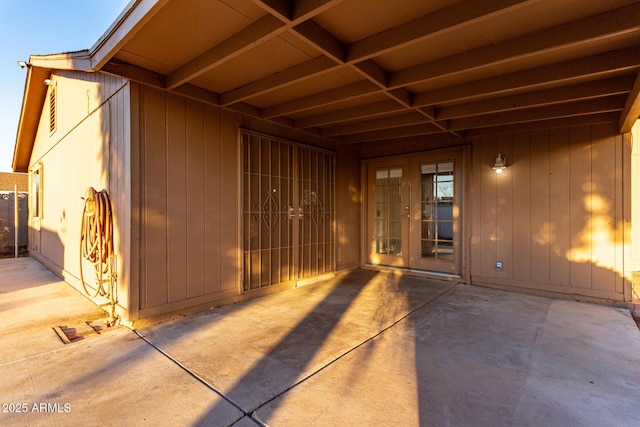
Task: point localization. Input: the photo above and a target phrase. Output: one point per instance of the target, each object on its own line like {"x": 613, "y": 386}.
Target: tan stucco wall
{"x": 90, "y": 147}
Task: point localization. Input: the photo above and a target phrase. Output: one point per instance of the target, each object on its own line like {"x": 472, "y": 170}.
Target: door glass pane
{"x": 437, "y": 193}
{"x": 388, "y": 211}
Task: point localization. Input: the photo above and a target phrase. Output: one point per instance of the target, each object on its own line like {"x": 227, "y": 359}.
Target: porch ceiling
{"x": 358, "y": 71}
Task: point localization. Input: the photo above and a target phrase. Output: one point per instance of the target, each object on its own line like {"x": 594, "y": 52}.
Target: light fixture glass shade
{"x": 500, "y": 163}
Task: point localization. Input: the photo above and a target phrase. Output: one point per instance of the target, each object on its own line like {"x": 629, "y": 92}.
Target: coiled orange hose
{"x": 96, "y": 238}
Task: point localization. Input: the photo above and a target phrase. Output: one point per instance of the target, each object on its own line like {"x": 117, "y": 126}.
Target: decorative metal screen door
{"x": 287, "y": 211}
{"x": 315, "y": 190}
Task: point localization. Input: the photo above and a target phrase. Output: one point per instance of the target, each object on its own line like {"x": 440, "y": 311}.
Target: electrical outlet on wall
{"x": 498, "y": 265}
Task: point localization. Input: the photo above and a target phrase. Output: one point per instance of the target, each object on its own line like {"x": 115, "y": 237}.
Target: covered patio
{"x": 366, "y": 347}
{"x": 249, "y": 145}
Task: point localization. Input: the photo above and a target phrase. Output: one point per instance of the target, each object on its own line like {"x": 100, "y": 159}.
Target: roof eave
{"x": 77, "y": 61}
{"x": 39, "y": 69}
{"x": 133, "y": 17}
{"x": 32, "y": 103}
{"x": 136, "y": 14}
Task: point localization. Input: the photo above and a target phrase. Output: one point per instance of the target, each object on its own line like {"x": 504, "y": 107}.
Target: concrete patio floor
{"x": 364, "y": 348}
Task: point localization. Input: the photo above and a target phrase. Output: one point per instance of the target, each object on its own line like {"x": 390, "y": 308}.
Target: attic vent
{"x": 52, "y": 109}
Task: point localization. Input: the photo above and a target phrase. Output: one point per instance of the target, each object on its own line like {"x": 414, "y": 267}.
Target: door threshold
{"x": 413, "y": 272}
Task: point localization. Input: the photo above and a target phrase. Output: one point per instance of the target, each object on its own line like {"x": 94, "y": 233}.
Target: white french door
{"x": 414, "y": 212}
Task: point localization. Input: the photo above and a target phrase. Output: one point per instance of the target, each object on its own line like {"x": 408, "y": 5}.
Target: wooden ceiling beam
{"x": 258, "y": 32}
{"x": 580, "y": 92}
{"x": 322, "y": 40}
{"x": 590, "y": 107}
{"x": 281, "y": 9}
{"x": 197, "y": 93}
{"x": 278, "y": 80}
{"x": 347, "y": 114}
{"x": 328, "y": 97}
{"x": 134, "y": 73}
{"x": 303, "y": 10}
{"x": 631, "y": 111}
{"x": 295, "y": 11}
{"x": 591, "y": 67}
{"x": 373, "y": 72}
{"x": 438, "y": 22}
{"x": 403, "y": 96}
{"x": 410, "y": 118}
{"x": 392, "y": 133}
{"x": 592, "y": 119}
{"x": 149, "y": 78}
{"x": 608, "y": 25}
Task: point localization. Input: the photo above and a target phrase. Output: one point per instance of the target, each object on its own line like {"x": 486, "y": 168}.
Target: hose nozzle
{"x": 90, "y": 201}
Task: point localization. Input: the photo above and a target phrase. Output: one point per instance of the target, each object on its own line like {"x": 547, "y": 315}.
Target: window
{"x": 35, "y": 194}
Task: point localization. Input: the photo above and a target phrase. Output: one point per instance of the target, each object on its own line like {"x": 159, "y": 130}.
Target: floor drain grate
{"x": 70, "y": 334}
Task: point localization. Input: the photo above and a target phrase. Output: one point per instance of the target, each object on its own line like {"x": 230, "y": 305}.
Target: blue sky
{"x": 41, "y": 27}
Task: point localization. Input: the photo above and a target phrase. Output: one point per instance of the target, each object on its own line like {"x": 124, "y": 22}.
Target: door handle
{"x": 296, "y": 212}
{"x": 406, "y": 216}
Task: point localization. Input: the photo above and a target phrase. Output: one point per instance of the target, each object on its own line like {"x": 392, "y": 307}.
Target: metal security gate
{"x": 287, "y": 211}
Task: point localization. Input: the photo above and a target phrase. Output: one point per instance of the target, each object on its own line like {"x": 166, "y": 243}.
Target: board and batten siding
{"x": 348, "y": 202}
{"x": 89, "y": 148}
{"x": 558, "y": 218}
{"x": 186, "y": 220}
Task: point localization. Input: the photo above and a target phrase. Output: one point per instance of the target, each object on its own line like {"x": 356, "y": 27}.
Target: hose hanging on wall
{"x": 96, "y": 245}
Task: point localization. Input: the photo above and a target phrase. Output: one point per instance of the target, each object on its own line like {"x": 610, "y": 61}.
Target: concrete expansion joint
{"x": 252, "y": 412}
{"x": 191, "y": 373}
{"x": 342, "y": 355}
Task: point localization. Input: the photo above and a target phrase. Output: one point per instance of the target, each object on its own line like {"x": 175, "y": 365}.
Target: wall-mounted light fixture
{"x": 500, "y": 164}
{"x": 48, "y": 82}
{"x": 23, "y": 64}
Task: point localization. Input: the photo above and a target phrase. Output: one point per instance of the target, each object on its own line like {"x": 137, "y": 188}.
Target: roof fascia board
{"x": 78, "y": 61}
{"x": 128, "y": 23}
{"x": 32, "y": 103}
